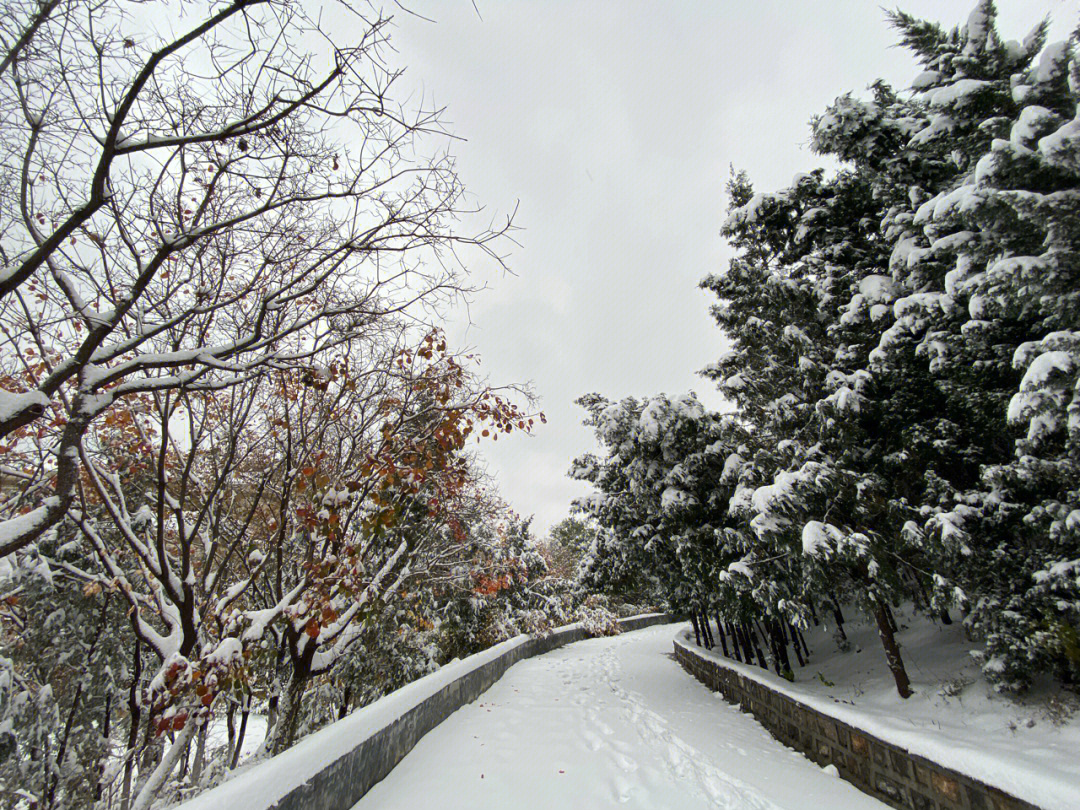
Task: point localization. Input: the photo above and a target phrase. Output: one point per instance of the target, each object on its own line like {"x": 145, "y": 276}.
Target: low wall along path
{"x": 334, "y": 767}
{"x": 885, "y": 771}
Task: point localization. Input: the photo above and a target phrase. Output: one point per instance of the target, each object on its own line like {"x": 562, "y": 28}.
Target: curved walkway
{"x": 609, "y": 722}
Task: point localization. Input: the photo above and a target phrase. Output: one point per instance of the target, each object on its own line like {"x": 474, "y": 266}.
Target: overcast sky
{"x": 613, "y": 125}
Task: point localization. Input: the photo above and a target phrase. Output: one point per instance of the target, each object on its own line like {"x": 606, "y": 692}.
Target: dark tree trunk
{"x": 793, "y": 635}
{"x": 708, "y": 630}
{"x": 106, "y": 726}
{"x": 752, "y": 643}
{"x": 774, "y": 647}
{"x": 184, "y": 759}
{"x": 839, "y": 618}
{"x": 781, "y": 642}
{"x": 735, "y": 651}
{"x": 697, "y": 630}
{"x": 135, "y": 718}
{"x": 344, "y": 710}
{"x": 802, "y": 641}
{"x": 892, "y": 619}
{"x": 723, "y": 637}
{"x": 200, "y": 753}
{"x": 289, "y": 720}
{"x": 230, "y": 727}
{"x": 919, "y": 594}
{"x": 945, "y": 617}
{"x": 240, "y": 733}
{"x": 892, "y": 651}
{"x": 768, "y": 644}
{"x": 740, "y": 642}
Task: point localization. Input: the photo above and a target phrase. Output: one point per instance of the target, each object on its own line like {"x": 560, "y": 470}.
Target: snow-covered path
{"x": 602, "y": 723}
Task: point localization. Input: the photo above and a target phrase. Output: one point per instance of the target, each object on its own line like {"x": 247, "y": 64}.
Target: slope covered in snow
{"x": 605, "y": 722}
{"x": 1024, "y": 746}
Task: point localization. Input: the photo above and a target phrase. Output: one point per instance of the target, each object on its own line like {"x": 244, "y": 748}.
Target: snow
{"x": 652, "y": 417}
{"x": 819, "y": 538}
{"x": 1052, "y": 62}
{"x": 13, "y": 404}
{"x": 978, "y": 28}
{"x": 23, "y": 524}
{"x": 1045, "y": 367}
{"x": 953, "y": 718}
{"x": 228, "y": 651}
{"x": 939, "y": 125}
{"x": 741, "y": 567}
{"x": 1060, "y": 147}
{"x": 925, "y": 79}
{"x": 958, "y": 93}
{"x": 269, "y": 781}
{"x": 732, "y": 465}
{"x": 673, "y": 498}
{"x": 606, "y": 722}
{"x": 1031, "y": 122}
{"x": 878, "y": 288}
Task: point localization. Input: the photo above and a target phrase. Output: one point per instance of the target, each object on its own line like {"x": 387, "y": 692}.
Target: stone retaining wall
{"x": 885, "y": 771}
{"x": 384, "y": 731}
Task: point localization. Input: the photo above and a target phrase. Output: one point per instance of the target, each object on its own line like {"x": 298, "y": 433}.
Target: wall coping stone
{"x": 332, "y": 768}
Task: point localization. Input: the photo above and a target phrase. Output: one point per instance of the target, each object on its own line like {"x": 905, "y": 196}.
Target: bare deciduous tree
{"x": 184, "y": 213}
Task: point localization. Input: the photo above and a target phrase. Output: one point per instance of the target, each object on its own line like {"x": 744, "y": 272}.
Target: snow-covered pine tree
{"x": 993, "y": 305}
{"x": 663, "y": 486}
{"x": 815, "y": 495}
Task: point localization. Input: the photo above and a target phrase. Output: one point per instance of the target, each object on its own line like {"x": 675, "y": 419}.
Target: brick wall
{"x": 885, "y": 771}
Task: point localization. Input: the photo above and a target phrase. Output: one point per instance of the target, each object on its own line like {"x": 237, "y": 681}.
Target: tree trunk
{"x": 135, "y": 717}
{"x": 892, "y": 651}
{"x": 892, "y": 619}
{"x": 106, "y": 727}
{"x": 757, "y": 645}
{"x": 200, "y": 752}
{"x": 752, "y": 646}
{"x": 787, "y": 634}
{"x": 230, "y": 726}
{"x": 285, "y": 730}
{"x": 768, "y": 645}
{"x": 697, "y": 630}
{"x": 737, "y": 644}
{"x": 748, "y": 653}
{"x": 802, "y": 640}
{"x": 185, "y": 760}
{"x": 240, "y": 734}
{"x": 839, "y": 619}
{"x": 271, "y": 714}
{"x": 708, "y": 630}
{"x": 723, "y": 637}
{"x": 945, "y": 617}
{"x": 344, "y": 710}
{"x": 168, "y": 762}
{"x": 730, "y": 633}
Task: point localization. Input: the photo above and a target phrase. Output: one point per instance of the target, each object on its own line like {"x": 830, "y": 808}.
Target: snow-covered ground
{"x": 1028, "y": 747}
{"x": 254, "y": 734}
{"x": 600, "y": 723}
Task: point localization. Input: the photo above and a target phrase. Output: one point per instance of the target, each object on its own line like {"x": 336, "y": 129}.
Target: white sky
{"x": 613, "y": 123}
